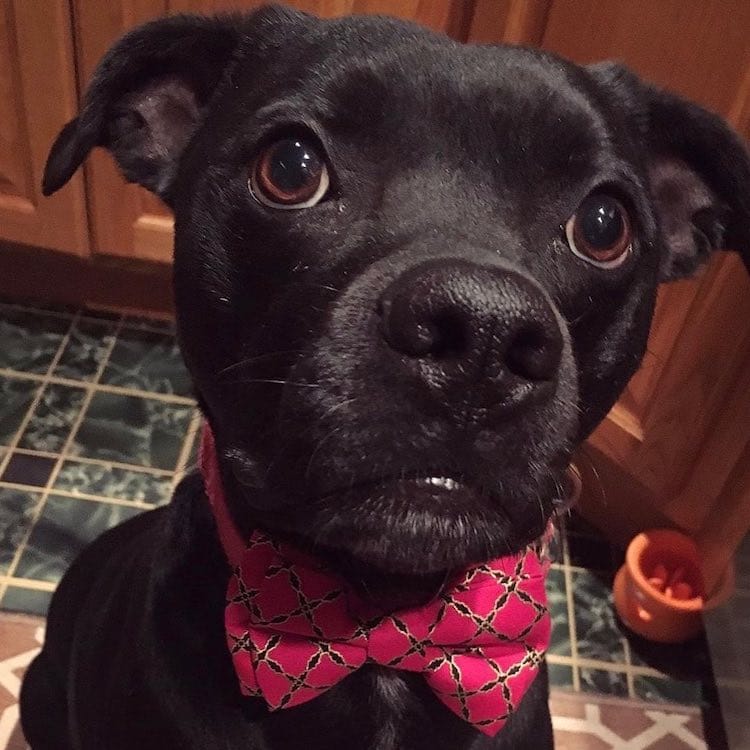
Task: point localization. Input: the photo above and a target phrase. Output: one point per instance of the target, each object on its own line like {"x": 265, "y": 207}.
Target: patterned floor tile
{"x": 16, "y": 510}
{"x": 65, "y": 527}
{"x": 560, "y": 676}
{"x": 133, "y": 430}
{"x": 89, "y": 342}
{"x": 50, "y": 424}
{"x": 584, "y": 722}
{"x": 148, "y": 361}
{"x": 20, "y": 640}
{"x": 16, "y": 395}
{"x": 31, "y": 470}
{"x": 598, "y": 635}
{"x": 26, "y": 600}
{"x": 106, "y": 480}
{"x": 558, "y": 605}
{"x": 152, "y": 324}
{"x": 604, "y": 682}
{"x": 30, "y": 340}
{"x": 665, "y": 690}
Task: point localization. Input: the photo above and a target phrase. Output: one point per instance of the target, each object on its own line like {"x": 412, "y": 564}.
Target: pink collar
{"x": 231, "y": 540}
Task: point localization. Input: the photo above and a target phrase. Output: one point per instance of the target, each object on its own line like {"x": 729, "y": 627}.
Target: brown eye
{"x": 599, "y": 231}
{"x": 288, "y": 174}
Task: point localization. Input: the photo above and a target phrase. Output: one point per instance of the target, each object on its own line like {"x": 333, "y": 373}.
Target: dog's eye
{"x": 288, "y": 174}
{"x": 599, "y": 231}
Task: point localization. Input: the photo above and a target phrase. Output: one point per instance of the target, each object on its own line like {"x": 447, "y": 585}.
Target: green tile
{"x": 155, "y": 324}
{"x": 29, "y": 601}
{"x": 88, "y": 344}
{"x": 16, "y": 396}
{"x": 603, "y": 682}
{"x": 64, "y": 528}
{"x": 598, "y": 635}
{"x": 666, "y": 690}
{"x": 109, "y": 481}
{"x": 558, "y": 607}
{"x": 29, "y": 340}
{"x": 133, "y": 430}
{"x": 147, "y": 361}
{"x": 560, "y": 675}
{"x": 16, "y": 510}
{"x": 50, "y": 425}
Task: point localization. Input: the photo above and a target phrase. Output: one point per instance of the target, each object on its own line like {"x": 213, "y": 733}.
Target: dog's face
{"x": 411, "y": 275}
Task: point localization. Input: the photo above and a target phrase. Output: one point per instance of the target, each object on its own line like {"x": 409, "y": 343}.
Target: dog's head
{"x": 411, "y": 275}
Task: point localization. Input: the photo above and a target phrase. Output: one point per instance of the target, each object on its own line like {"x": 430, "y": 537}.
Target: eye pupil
{"x": 601, "y": 223}
{"x": 289, "y": 173}
{"x": 292, "y": 166}
{"x": 599, "y": 231}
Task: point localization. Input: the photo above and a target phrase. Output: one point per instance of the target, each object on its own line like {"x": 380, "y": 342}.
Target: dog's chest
{"x": 390, "y": 698}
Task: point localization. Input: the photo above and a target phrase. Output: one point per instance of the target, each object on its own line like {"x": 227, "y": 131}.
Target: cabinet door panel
{"x": 126, "y": 220}
{"x": 37, "y": 96}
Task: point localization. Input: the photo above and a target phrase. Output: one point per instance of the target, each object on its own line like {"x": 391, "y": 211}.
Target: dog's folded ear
{"x": 698, "y": 167}
{"x": 146, "y": 99}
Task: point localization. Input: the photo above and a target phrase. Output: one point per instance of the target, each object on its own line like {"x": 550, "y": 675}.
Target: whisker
{"x": 323, "y": 440}
{"x": 258, "y": 358}
{"x": 276, "y": 382}
{"x": 597, "y": 475}
{"x": 344, "y": 402}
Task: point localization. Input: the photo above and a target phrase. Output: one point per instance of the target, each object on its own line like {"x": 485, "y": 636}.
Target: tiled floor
{"x": 97, "y": 424}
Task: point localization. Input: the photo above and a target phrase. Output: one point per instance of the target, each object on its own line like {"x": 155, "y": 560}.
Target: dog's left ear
{"x": 699, "y": 171}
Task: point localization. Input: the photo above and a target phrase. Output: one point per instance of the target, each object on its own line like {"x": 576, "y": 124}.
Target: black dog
{"x": 411, "y": 277}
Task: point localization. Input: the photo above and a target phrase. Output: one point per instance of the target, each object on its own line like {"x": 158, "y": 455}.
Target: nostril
{"x": 450, "y": 334}
{"x": 409, "y": 326}
{"x": 532, "y": 354}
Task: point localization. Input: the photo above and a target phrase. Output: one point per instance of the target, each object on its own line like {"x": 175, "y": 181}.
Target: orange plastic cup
{"x": 659, "y": 591}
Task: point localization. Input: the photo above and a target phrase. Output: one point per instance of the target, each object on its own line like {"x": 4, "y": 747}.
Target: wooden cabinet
{"x": 37, "y": 95}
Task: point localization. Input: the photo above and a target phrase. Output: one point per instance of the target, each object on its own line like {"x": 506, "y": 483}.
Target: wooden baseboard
{"x": 39, "y": 276}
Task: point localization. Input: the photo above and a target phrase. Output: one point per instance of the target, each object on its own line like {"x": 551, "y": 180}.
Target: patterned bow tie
{"x": 295, "y": 630}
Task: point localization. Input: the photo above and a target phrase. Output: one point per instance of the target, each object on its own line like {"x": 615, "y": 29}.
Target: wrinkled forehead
{"x": 508, "y": 104}
{"x": 376, "y": 83}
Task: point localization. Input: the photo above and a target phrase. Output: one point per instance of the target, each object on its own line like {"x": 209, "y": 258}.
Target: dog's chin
{"x": 417, "y": 527}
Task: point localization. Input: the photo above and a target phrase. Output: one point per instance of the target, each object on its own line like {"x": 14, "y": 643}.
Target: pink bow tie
{"x": 294, "y": 630}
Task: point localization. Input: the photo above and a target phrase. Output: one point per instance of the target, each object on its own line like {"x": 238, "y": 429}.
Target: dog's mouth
{"x": 424, "y": 523}
{"x": 428, "y": 491}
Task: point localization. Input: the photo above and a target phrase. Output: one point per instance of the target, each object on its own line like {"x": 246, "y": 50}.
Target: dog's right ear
{"x": 699, "y": 171}
{"x": 146, "y": 99}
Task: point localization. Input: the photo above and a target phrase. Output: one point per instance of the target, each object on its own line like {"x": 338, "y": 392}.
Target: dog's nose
{"x": 472, "y": 331}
